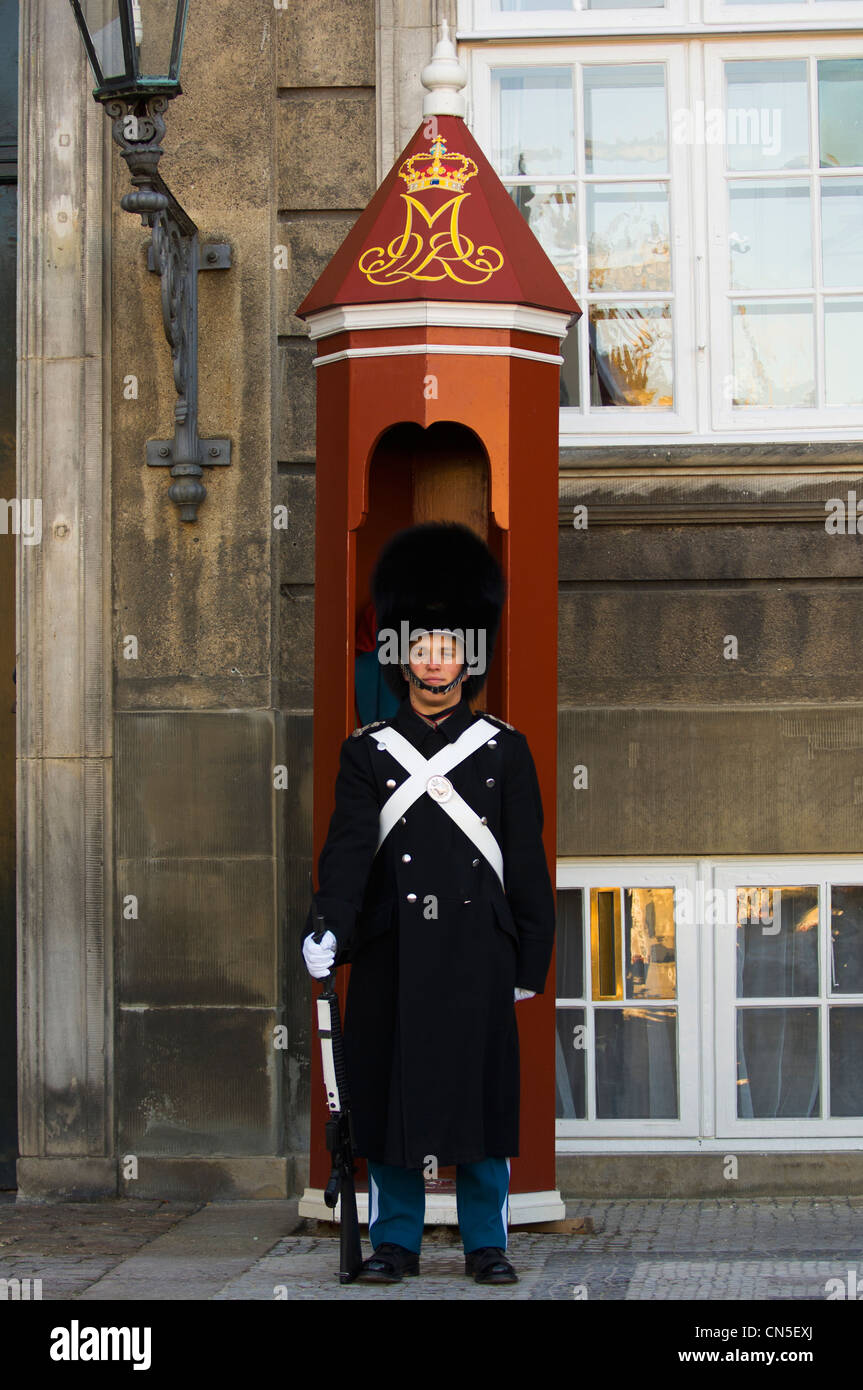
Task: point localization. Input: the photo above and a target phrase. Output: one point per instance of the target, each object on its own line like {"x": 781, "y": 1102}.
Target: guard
{"x": 433, "y": 884}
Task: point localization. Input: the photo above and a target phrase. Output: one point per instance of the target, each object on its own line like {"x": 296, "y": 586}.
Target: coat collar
{"x": 413, "y": 726}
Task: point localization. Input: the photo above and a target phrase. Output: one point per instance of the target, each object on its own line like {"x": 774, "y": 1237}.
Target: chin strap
{"x": 436, "y": 689}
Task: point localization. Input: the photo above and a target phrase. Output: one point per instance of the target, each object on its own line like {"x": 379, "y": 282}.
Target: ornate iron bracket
{"x": 176, "y": 256}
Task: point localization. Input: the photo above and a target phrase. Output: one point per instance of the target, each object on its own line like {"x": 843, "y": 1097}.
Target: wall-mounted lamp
{"x": 134, "y": 48}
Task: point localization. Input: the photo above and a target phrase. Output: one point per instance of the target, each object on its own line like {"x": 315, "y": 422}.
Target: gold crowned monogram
{"x": 443, "y": 171}
{"x": 419, "y": 252}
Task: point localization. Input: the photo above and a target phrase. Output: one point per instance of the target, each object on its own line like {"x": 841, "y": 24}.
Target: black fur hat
{"x": 439, "y": 574}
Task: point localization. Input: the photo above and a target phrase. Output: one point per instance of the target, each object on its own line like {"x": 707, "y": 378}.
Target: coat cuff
{"x": 533, "y": 961}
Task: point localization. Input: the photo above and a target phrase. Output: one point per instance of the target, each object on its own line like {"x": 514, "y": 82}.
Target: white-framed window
{"x": 707, "y": 1001}
{"x": 584, "y": 146}
{"x": 785, "y": 200}
{"x": 627, "y": 991}
{"x": 789, "y": 999}
{"x": 799, "y": 14}
{"x": 521, "y": 17}
{"x": 529, "y": 18}
{"x": 701, "y": 200}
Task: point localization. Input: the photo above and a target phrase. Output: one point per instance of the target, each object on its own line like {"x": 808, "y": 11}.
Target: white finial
{"x": 444, "y": 78}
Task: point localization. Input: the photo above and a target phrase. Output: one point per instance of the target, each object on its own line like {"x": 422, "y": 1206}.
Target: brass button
{"x": 412, "y": 897}
{"x": 391, "y": 781}
{"x": 489, "y": 781}
{"x": 406, "y": 859}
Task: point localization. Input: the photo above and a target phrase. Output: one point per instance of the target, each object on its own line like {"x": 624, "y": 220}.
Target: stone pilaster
{"x": 406, "y": 33}
{"x": 63, "y": 616}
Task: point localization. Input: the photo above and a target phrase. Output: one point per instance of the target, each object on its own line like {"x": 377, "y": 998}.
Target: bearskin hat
{"x": 439, "y": 574}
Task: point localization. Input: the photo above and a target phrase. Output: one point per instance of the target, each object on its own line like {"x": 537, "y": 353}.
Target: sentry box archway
{"x": 438, "y": 326}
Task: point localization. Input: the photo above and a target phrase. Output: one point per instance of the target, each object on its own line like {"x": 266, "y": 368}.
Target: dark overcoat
{"x": 435, "y": 943}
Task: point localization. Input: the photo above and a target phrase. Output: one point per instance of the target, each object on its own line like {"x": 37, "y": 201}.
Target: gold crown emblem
{"x": 444, "y": 170}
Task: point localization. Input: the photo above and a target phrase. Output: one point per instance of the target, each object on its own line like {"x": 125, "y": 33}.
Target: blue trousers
{"x": 397, "y": 1204}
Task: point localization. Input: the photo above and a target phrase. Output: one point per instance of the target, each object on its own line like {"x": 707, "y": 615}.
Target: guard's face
{"x": 437, "y": 657}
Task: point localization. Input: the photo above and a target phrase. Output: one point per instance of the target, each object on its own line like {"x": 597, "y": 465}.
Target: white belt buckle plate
{"x": 439, "y": 788}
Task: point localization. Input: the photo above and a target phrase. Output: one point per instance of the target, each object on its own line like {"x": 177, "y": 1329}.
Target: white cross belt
{"x": 428, "y": 775}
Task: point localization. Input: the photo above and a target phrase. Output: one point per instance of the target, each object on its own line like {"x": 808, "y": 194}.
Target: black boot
{"x": 489, "y": 1265}
{"x": 388, "y": 1264}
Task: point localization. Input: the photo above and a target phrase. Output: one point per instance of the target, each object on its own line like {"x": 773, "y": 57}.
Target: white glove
{"x": 319, "y": 955}
{"x": 523, "y": 994}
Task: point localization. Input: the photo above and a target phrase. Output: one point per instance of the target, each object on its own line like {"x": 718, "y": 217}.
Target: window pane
{"x": 846, "y": 1049}
{"x": 625, "y": 123}
{"x": 570, "y": 944}
{"x": 631, "y": 355}
{"x": 769, "y": 235}
{"x": 846, "y": 939}
{"x": 551, "y": 214}
{"x": 777, "y": 950}
{"x": 773, "y": 354}
{"x": 570, "y": 1068}
{"x": 606, "y": 973}
{"x": 636, "y": 1064}
{"x": 843, "y": 333}
{"x": 842, "y": 231}
{"x": 778, "y": 1066}
{"x": 570, "y": 378}
{"x": 767, "y": 118}
{"x": 628, "y": 237}
{"x": 535, "y": 120}
{"x": 649, "y": 941}
{"x": 840, "y": 111}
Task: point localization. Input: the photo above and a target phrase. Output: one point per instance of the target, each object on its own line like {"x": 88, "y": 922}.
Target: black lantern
{"x": 134, "y": 48}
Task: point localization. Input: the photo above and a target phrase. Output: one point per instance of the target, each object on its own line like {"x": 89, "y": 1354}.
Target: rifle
{"x": 339, "y": 1132}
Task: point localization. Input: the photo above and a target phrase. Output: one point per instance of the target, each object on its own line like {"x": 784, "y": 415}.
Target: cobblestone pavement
{"x": 239, "y": 1251}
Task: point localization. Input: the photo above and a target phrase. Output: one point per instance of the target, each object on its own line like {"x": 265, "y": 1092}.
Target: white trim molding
{"x": 438, "y": 313}
{"x": 429, "y": 349}
{"x": 525, "y": 1208}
